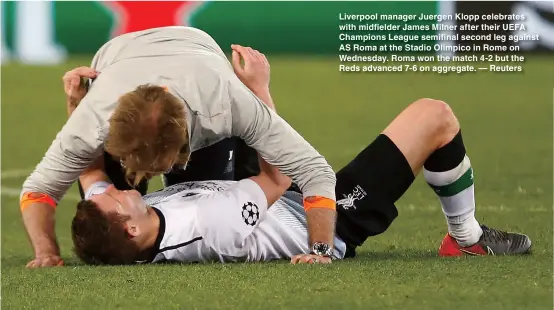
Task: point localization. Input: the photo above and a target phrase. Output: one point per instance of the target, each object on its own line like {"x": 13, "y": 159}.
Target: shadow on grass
{"x": 362, "y": 256}
{"x": 14, "y": 261}
{"x": 21, "y": 261}
{"x": 404, "y": 255}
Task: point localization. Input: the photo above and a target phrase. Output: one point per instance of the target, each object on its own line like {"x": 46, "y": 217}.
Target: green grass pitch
{"x": 507, "y": 124}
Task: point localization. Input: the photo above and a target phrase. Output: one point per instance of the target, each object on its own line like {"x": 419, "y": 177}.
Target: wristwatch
{"x": 322, "y": 249}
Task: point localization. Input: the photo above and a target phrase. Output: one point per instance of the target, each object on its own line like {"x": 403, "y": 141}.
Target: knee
{"x": 440, "y": 115}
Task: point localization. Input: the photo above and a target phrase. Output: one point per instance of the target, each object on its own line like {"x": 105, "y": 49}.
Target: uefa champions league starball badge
{"x": 250, "y": 213}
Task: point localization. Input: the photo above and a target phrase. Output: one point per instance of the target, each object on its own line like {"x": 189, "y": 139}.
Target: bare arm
{"x": 272, "y": 182}
{"x": 94, "y": 173}
{"x": 39, "y": 220}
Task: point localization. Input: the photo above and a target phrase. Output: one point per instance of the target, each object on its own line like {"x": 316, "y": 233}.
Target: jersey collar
{"x": 156, "y": 248}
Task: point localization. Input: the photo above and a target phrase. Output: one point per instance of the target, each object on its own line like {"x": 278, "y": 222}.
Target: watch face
{"x": 321, "y": 248}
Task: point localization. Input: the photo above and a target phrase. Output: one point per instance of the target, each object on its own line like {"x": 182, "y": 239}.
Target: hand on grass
{"x": 310, "y": 259}
{"x": 45, "y": 261}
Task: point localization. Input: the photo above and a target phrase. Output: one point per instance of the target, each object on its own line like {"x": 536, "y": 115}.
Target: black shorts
{"x": 367, "y": 189}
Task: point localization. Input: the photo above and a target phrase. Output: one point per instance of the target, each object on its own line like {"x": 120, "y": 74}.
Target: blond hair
{"x": 148, "y": 132}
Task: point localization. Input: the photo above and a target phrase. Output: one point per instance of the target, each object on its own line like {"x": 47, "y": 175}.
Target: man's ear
{"x": 132, "y": 229}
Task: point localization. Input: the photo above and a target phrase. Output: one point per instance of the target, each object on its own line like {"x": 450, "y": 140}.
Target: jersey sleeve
{"x": 74, "y": 148}
{"x": 227, "y": 218}
{"x": 279, "y": 144}
{"x": 97, "y": 188}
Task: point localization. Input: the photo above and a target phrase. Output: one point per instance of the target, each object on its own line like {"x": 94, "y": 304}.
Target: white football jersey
{"x": 229, "y": 221}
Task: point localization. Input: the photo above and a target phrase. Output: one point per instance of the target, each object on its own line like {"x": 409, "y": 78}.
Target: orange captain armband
{"x": 319, "y": 202}
{"x": 29, "y": 198}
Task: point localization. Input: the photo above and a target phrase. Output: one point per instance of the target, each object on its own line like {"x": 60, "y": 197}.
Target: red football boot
{"x": 492, "y": 242}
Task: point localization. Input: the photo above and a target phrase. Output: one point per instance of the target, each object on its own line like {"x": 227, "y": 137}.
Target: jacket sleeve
{"x": 279, "y": 144}
{"x": 73, "y": 149}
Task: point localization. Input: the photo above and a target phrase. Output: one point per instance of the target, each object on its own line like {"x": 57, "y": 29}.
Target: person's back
{"x": 178, "y": 40}
{"x": 189, "y": 64}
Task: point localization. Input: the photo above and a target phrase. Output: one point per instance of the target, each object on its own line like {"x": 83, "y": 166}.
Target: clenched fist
{"x": 74, "y": 86}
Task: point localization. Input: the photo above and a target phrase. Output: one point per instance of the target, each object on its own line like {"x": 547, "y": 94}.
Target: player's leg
{"x": 367, "y": 189}
{"x": 427, "y": 135}
{"x": 438, "y": 147}
{"x": 116, "y": 174}
{"x": 215, "y": 162}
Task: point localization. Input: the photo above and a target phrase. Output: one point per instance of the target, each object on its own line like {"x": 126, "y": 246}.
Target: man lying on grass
{"x": 258, "y": 219}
